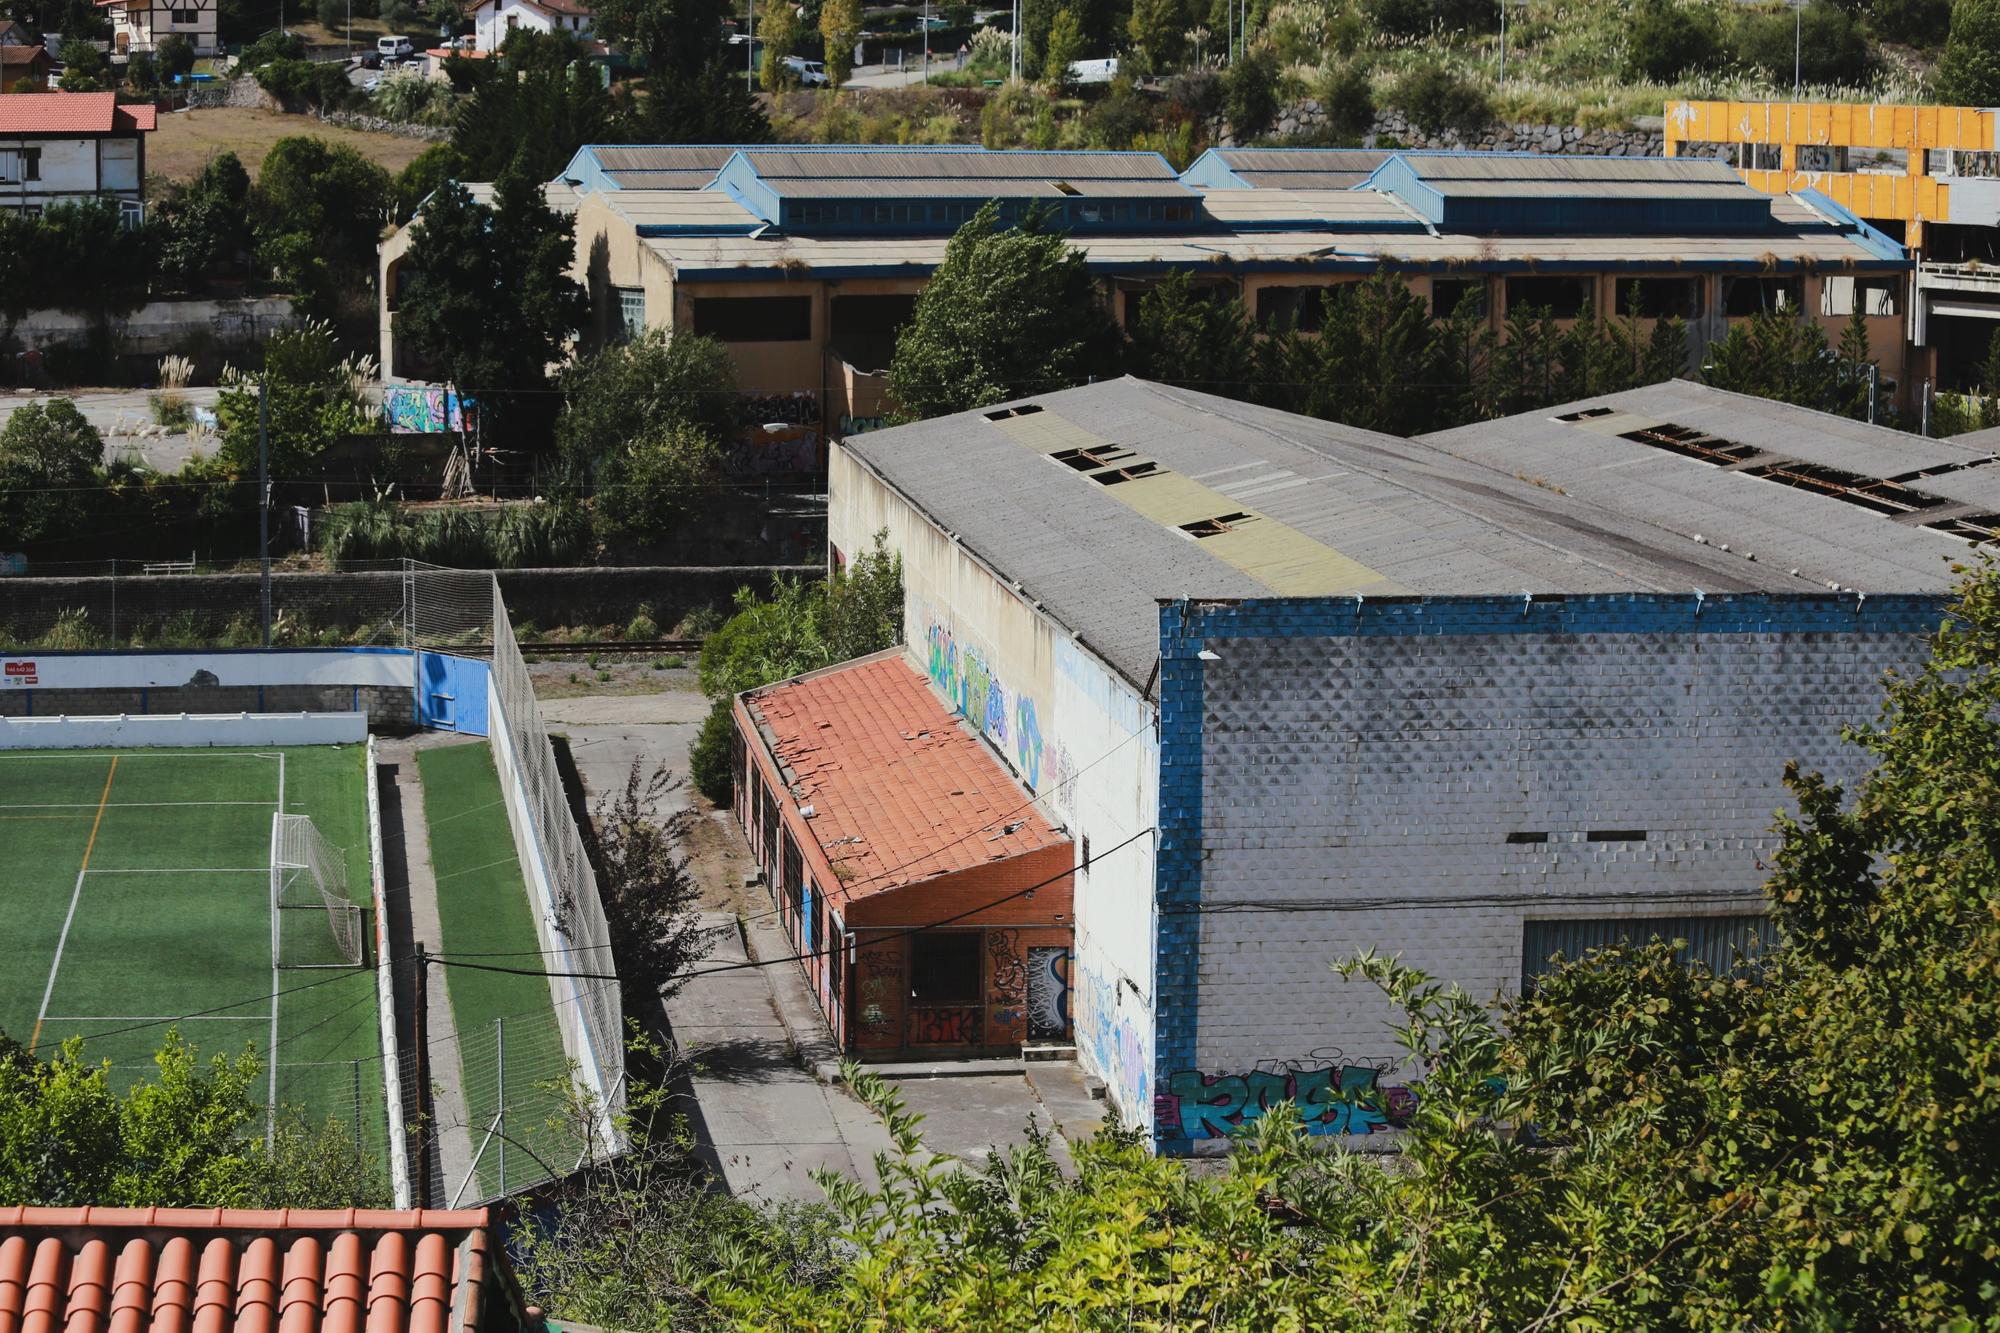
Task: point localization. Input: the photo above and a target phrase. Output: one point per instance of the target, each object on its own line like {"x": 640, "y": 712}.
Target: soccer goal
{"x": 313, "y": 922}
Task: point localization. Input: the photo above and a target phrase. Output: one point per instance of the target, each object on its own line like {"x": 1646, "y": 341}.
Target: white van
{"x": 809, "y": 73}
{"x": 394, "y": 48}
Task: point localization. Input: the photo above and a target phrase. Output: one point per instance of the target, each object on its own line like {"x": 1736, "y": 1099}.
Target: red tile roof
{"x": 206, "y": 1270}
{"x": 24, "y": 55}
{"x": 900, "y": 789}
{"x": 72, "y": 113}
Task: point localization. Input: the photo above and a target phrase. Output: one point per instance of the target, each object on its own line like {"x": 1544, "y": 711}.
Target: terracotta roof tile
{"x": 210, "y": 1270}
{"x": 900, "y": 789}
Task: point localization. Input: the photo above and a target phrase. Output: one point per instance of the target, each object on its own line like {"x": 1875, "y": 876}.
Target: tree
{"x": 840, "y": 28}
{"x": 1667, "y": 40}
{"x": 1829, "y": 44}
{"x": 428, "y": 172}
{"x": 1037, "y": 18}
{"x": 206, "y": 225}
{"x": 84, "y": 67}
{"x": 1776, "y": 354}
{"x": 194, "y": 1136}
{"x": 657, "y": 386}
{"x": 1436, "y": 99}
{"x": 710, "y": 106}
{"x": 315, "y": 400}
{"x": 651, "y": 900}
{"x": 1008, "y": 312}
{"x": 779, "y": 33}
{"x": 1250, "y": 94}
{"x": 551, "y": 107}
{"x": 175, "y": 56}
{"x": 1157, "y": 31}
{"x": 317, "y": 210}
{"x": 1968, "y": 73}
{"x": 676, "y": 38}
{"x": 655, "y": 478}
{"x": 491, "y": 301}
{"x": 1374, "y": 356}
{"x": 1193, "y": 336}
{"x": 1064, "y": 47}
{"x": 49, "y": 457}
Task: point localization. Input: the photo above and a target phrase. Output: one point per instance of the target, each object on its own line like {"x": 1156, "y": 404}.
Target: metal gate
{"x": 451, "y": 693}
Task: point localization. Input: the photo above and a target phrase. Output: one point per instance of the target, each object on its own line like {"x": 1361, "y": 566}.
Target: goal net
{"x": 313, "y": 922}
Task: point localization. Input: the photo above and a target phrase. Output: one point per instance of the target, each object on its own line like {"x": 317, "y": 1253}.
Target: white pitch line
{"x": 184, "y": 870}
{"x": 155, "y": 1018}
{"x": 75, "y": 896}
{"x": 125, "y": 805}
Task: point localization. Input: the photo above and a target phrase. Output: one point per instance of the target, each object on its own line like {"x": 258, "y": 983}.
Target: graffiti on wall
{"x": 1332, "y": 1099}
{"x": 1006, "y": 717}
{"x": 422, "y": 409}
{"x": 779, "y": 432}
{"x": 1048, "y": 992}
{"x": 879, "y": 972}
{"x": 1112, "y": 1034}
{"x": 944, "y": 1025}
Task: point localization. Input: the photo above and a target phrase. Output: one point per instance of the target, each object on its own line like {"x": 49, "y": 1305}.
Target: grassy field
{"x": 485, "y": 917}
{"x": 138, "y": 899}
{"x": 186, "y": 140}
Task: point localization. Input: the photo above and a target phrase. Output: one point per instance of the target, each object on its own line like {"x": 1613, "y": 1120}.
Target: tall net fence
{"x": 313, "y": 922}
{"x": 574, "y": 935}
{"x": 194, "y": 608}
{"x": 450, "y": 610}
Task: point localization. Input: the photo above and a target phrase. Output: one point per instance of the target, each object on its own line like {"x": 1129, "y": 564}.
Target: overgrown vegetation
{"x": 192, "y": 1137}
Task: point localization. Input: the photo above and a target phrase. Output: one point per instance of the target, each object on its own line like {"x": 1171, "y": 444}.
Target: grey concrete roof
{"x": 826, "y": 163}
{"x": 559, "y": 195}
{"x": 1527, "y": 504}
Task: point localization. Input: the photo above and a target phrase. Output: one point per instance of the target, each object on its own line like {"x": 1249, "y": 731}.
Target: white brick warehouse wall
{"x": 1358, "y": 792}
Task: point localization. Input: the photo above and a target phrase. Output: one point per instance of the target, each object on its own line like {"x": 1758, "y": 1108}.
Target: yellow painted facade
{"x": 1905, "y": 192}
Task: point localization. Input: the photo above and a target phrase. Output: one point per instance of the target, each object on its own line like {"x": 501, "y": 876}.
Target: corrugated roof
{"x": 119, "y": 1270}
{"x": 661, "y": 180}
{"x": 680, "y": 209}
{"x": 558, "y": 195}
{"x": 901, "y": 790}
{"x": 663, "y": 157}
{"x": 1363, "y": 160}
{"x": 773, "y": 164}
{"x": 979, "y": 187}
{"x": 1526, "y": 504}
{"x": 1517, "y": 167}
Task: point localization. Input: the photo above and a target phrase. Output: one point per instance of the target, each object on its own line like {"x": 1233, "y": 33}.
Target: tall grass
{"x": 520, "y": 536}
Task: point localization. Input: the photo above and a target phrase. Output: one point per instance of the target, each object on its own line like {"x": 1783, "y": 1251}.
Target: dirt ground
{"x": 186, "y": 140}
{"x": 621, "y": 674}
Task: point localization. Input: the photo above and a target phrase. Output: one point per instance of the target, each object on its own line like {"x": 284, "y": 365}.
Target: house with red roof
{"x": 24, "y": 66}
{"x": 60, "y": 147}
{"x": 493, "y": 20}
{"x": 139, "y": 25}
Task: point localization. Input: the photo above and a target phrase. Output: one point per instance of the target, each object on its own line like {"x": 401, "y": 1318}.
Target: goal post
{"x": 314, "y": 922}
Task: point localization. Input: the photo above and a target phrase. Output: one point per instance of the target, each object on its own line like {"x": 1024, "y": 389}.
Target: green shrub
{"x": 642, "y": 626}
{"x": 709, "y": 762}
{"x": 1968, "y": 74}
{"x": 1831, "y": 45}
{"x": 542, "y": 535}
{"x": 1250, "y": 95}
{"x": 1348, "y": 101}
{"x": 1922, "y": 23}
{"x": 1436, "y": 99}
{"x": 1668, "y": 40}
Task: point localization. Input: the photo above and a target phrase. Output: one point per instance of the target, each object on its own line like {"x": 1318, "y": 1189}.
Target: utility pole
{"x": 500, "y": 1091}
{"x": 1798, "y": 32}
{"x": 926, "y": 21}
{"x": 1874, "y": 387}
{"x": 264, "y": 497}
{"x": 750, "y": 41}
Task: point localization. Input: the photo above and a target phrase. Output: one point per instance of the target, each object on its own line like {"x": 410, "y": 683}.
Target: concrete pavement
{"x": 119, "y": 416}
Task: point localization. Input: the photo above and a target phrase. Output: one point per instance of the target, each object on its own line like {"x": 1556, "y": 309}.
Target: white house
{"x": 139, "y": 25}
{"x": 58, "y": 147}
{"x": 494, "y": 19}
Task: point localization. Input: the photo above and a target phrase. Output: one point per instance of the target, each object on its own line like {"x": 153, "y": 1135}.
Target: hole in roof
{"x": 1214, "y": 527}
{"x": 1616, "y": 835}
{"x": 1691, "y": 443}
{"x": 1064, "y": 187}
{"x": 1095, "y": 456}
{"x": 1873, "y": 493}
{"x": 1113, "y": 476}
{"x": 1527, "y": 837}
{"x": 1586, "y": 414}
{"x": 1024, "y": 410}
{"x": 1971, "y": 527}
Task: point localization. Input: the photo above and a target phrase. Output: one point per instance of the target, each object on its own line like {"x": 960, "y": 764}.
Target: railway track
{"x": 630, "y": 647}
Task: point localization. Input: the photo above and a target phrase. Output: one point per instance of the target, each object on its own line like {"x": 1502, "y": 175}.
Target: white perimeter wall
{"x": 1380, "y": 777}
{"x": 1077, "y": 733}
{"x": 181, "y": 730}
{"x": 133, "y": 671}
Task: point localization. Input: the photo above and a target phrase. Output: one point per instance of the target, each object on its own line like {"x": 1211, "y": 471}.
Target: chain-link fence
{"x": 190, "y": 608}
{"x": 574, "y": 935}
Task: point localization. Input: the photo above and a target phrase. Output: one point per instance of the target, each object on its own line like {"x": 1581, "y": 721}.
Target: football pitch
{"x": 136, "y": 896}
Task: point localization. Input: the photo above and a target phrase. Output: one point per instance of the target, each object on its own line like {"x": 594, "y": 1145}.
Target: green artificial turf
{"x": 485, "y": 918}
{"x": 169, "y": 923}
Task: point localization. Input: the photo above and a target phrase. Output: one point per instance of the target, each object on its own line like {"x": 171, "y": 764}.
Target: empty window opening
{"x": 1743, "y": 297}
{"x": 1658, "y": 298}
{"x": 1215, "y": 527}
{"x": 1720, "y": 943}
{"x": 1559, "y": 298}
{"x": 1840, "y": 295}
{"x": 1585, "y": 415}
{"x": 1024, "y": 410}
{"x": 1615, "y": 835}
{"x": 754, "y": 319}
{"x": 1449, "y": 294}
{"x": 1527, "y": 837}
{"x": 944, "y": 967}
{"x": 1299, "y": 308}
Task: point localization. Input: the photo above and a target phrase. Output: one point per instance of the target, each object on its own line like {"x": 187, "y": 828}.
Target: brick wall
{"x": 1359, "y": 774}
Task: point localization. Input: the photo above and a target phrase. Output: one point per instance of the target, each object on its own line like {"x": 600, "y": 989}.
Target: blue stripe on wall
{"x": 1177, "y": 852}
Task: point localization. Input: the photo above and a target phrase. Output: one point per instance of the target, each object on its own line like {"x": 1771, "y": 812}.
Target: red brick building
{"x": 931, "y": 897}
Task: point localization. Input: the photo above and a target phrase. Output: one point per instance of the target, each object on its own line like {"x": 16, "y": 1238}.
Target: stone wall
{"x": 1392, "y": 127}
{"x": 354, "y": 120}
{"x": 165, "y": 326}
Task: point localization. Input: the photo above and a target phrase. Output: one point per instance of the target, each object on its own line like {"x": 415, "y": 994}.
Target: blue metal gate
{"x": 451, "y": 693}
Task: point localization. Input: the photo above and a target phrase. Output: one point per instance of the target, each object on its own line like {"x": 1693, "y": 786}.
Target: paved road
{"x": 119, "y": 415}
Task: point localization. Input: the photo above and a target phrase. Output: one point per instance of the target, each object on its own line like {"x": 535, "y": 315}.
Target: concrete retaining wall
{"x": 161, "y": 326}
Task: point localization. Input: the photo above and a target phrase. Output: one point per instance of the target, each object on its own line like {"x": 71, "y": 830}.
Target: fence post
{"x": 500, "y": 1094}
{"x": 420, "y": 1037}
{"x": 357, "y": 1130}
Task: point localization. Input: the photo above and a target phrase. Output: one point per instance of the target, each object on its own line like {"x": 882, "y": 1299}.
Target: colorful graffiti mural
{"x": 1336, "y": 1099}
{"x": 1117, "y": 1046}
{"x": 1048, "y": 992}
{"x": 779, "y": 432}
{"x": 423, "y": 409}
{"x": 944, "y": 1025}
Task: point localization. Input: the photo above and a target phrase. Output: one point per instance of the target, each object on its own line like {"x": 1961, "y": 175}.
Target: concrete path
{"x": 413, "y": 919}
{"x": 118, "y": 415}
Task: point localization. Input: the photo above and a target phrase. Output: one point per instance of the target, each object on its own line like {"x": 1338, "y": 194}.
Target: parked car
{"x": 370, "y": 60}
{"x": 809, "y": 73}
{"x": 394, "y": 48}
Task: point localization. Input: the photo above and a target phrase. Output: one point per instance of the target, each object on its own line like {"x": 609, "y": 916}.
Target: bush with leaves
{"x": 316, "y": 398}
{"x": 1250, "y": 94}
{"x": 1828, "y": 44}
{"x": 1436, "y": 99}
{"x": 1968, "y": 72}
{"x": 1668, "y": 39}
{"x": 49, "y": 461}
{"x": 651, "y": 899}
{"x": 193, "y": 1137}
{"x": 317, "y": 209}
